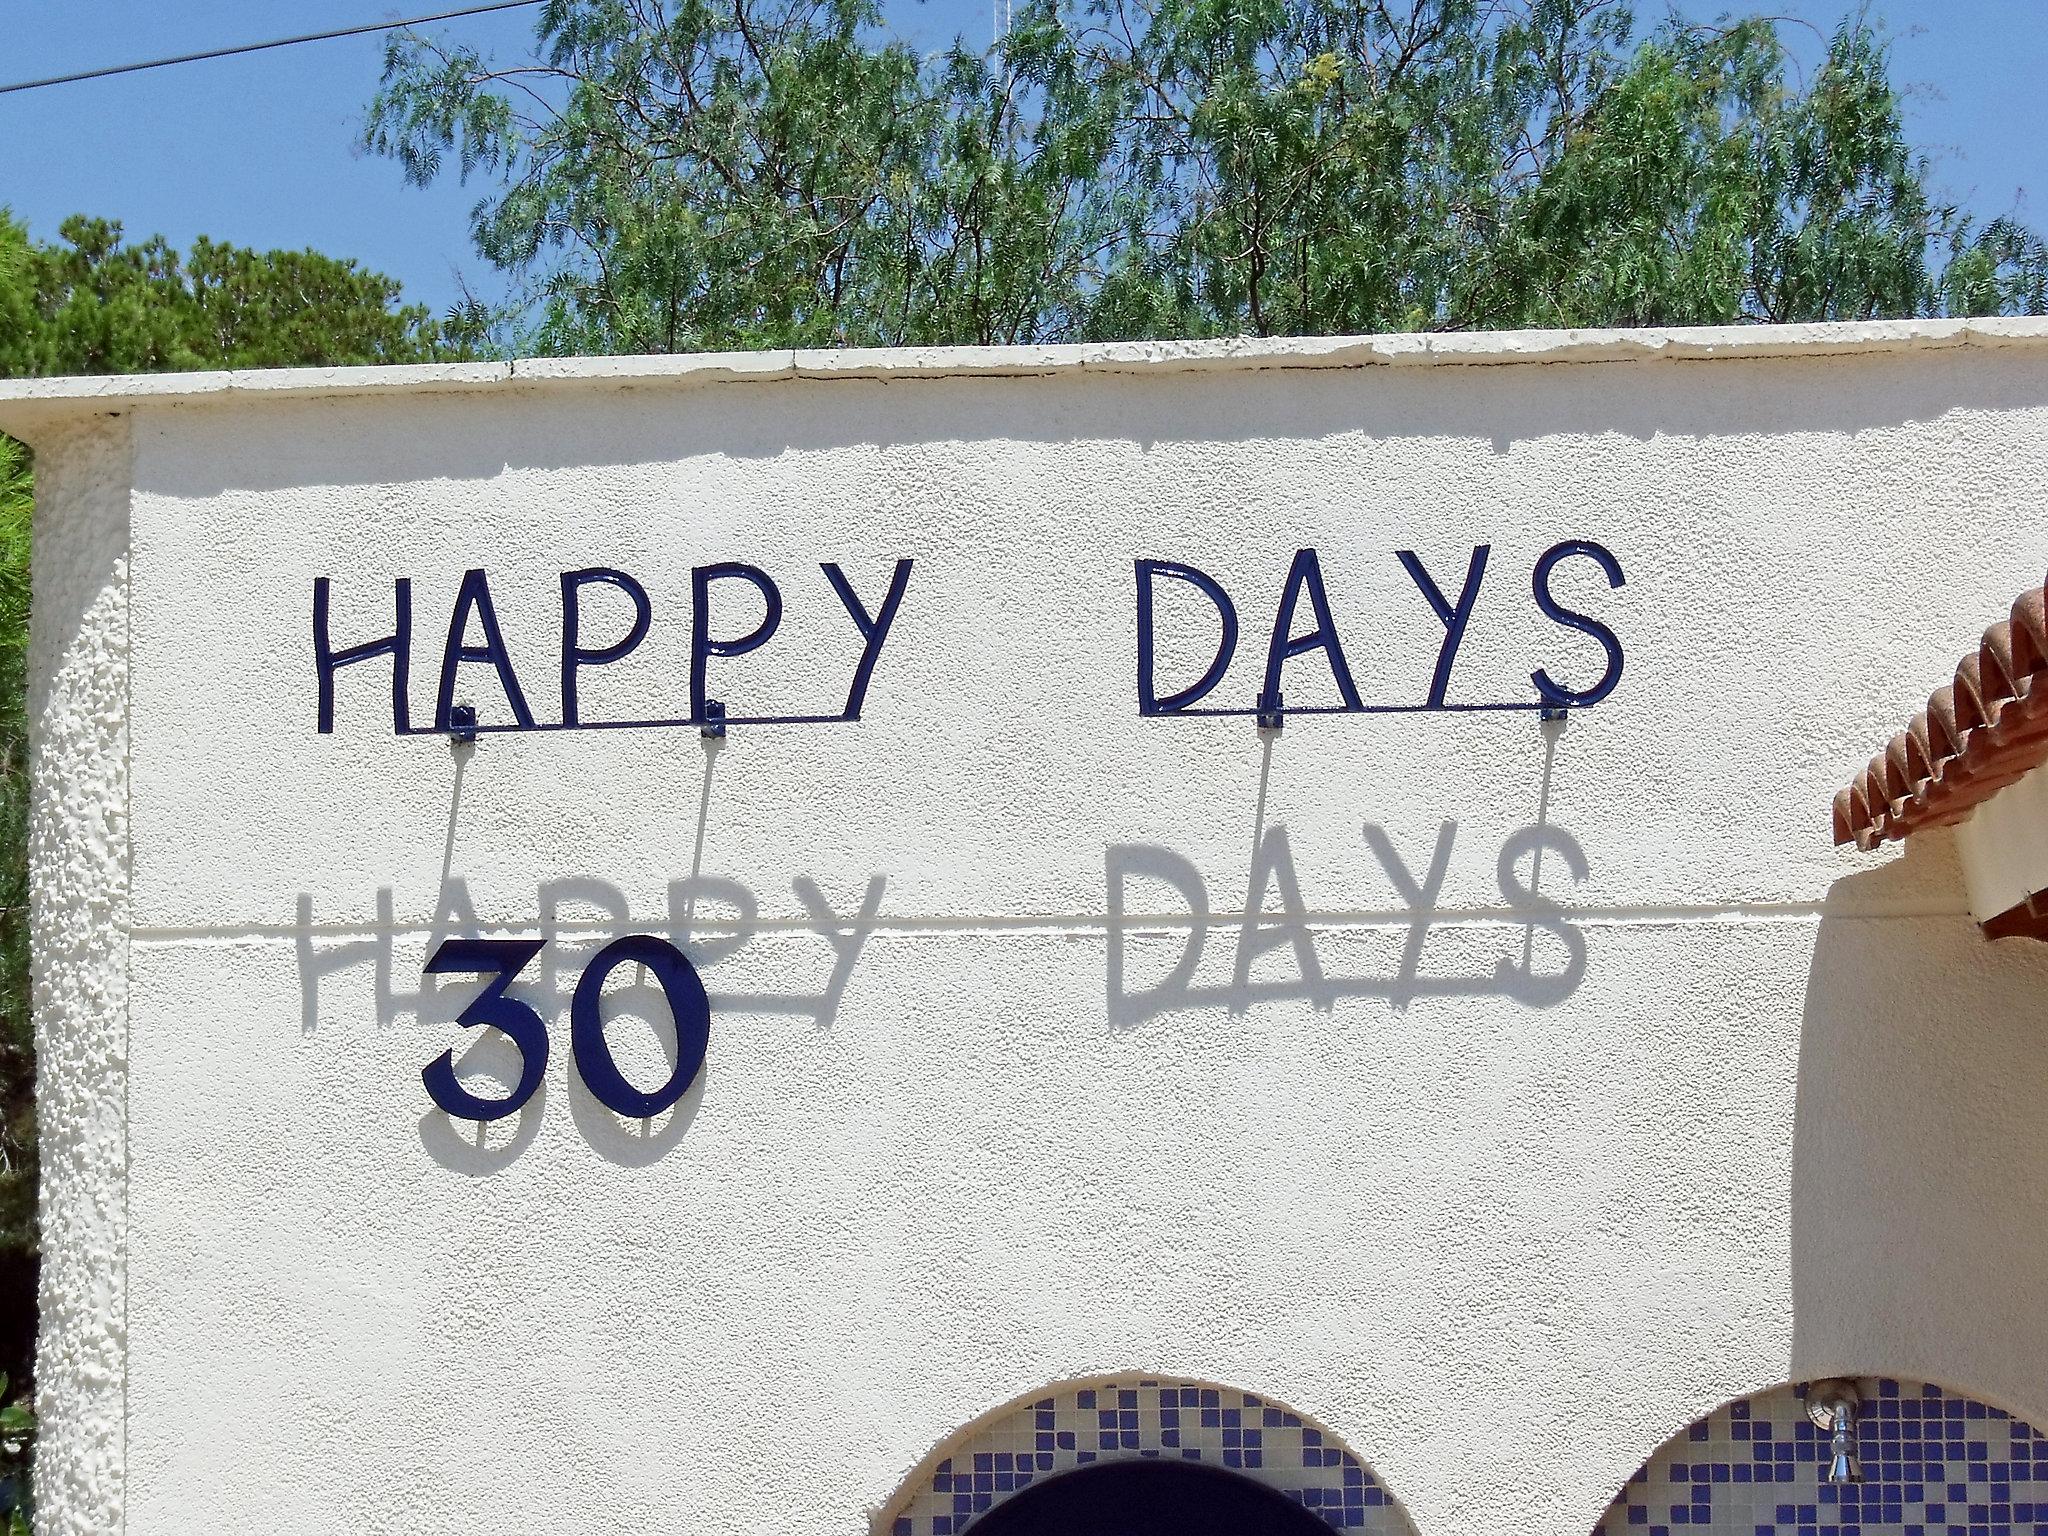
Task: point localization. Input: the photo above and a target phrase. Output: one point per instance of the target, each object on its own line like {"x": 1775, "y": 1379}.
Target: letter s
{"x": 1521, "y": 980}
{"x": 1554, "y": 692}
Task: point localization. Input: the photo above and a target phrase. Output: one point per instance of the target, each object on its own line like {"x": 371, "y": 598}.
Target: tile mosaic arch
{"x": 1934, "y": 1464}
{"x": 1083, "y": 1423}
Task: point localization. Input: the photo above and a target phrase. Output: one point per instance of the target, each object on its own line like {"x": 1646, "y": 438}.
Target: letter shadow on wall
{"x": 1518, "y": 969}
{"x": 1919, "y": 1198}
{"x": 1535, "y": 974}
{"x": 709, "y": 918}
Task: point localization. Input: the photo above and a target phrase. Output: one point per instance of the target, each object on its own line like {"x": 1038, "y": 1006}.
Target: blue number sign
{"x": 503, "y": 959}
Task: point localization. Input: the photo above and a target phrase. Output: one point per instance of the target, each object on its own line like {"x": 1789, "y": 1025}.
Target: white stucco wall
{"x": 1508, "y": 1190}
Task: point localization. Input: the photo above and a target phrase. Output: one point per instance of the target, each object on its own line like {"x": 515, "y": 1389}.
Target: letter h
{"x": 397, "y": 645}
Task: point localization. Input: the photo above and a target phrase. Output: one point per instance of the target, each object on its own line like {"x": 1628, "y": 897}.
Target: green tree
{"x": 744, "y": 176}
{"x": 17, "y": 1040}
{"x": 679, "y": 174}
{"x": 92, "y": 304}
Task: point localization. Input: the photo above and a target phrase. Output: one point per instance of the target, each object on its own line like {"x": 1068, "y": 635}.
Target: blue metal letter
{"x": 702, "y": 646}
{"x": 574, "y": 655}
{"x": 397, "y": 645}
{"x": 1454, "y": 616}
{"x": 501, "y": 960}
{"x": 475, "y": 594}
{"x": 1306, "y": 572}
{"x": 873, "y": 627}
{"x": 687, "y": 1004}
{"x": 1554, "y": 692}
{"x": 1149, "y": 702}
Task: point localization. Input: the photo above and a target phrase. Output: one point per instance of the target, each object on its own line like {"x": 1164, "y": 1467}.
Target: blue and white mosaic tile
{"x": 1934, "y": 1464}
{"x": 1125, "y": 1419}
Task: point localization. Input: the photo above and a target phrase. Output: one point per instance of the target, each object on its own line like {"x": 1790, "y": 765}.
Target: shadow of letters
{"x": 1256, "y": 932}
{"x": 715, "y": 916}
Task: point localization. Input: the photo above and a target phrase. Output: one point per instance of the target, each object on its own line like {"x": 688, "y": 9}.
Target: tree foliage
{"x": 92, "y": 304}
{"x": 17, "y": 1040}
{"x": 681, "y": 174}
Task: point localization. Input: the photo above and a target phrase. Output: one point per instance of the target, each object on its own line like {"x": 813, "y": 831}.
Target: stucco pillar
{"x": 78, "y": 848}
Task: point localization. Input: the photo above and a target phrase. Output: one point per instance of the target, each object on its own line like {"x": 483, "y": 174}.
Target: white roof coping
{"x": 26, "y": 404}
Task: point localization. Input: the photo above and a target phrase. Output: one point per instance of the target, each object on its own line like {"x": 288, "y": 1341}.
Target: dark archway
{"x": 1080, "y": 1427}
{"x": 1148, "y": 1498}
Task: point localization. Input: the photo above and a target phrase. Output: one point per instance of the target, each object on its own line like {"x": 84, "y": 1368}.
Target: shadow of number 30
{"x": 503, "y": 959}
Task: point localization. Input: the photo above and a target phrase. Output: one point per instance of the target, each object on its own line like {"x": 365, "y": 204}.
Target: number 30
{"x": 503, "y": 959}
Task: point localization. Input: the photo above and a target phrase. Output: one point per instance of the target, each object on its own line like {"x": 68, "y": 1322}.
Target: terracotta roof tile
{"x": 1982, "y": 731}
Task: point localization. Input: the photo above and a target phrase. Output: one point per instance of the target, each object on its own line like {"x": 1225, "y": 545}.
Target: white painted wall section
{"x": 1446, "y": 1078}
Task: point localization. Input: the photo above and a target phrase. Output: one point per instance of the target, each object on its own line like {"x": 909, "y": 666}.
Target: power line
{"x": 281, "y": 42}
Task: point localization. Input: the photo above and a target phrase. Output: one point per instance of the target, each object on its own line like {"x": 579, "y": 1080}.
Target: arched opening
{"x": 1149, "y": 1498}
{"x": 1176, "y": 1452}
{"x": 1931, "y": 1463}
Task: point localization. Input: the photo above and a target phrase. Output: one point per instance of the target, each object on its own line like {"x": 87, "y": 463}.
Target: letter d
{"x": 1149, "y": 701}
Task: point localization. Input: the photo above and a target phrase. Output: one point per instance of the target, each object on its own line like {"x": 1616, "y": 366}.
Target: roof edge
{"x": 26, "y": 403}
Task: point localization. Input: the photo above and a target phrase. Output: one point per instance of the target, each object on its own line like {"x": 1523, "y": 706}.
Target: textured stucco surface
{"x": 78, "y": 895}
{"x": 1005, "y": 1087}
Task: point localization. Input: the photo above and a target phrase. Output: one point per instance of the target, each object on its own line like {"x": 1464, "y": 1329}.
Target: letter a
{"x": 1306, "y": 573}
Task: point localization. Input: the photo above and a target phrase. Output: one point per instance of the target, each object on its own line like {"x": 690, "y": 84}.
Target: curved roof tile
{"x": 1980, "y": 732}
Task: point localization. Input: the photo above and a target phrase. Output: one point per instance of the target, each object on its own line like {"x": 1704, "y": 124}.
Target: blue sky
{"x": 259, "y": 149}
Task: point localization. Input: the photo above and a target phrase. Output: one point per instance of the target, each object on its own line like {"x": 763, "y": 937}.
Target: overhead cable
{"x": 280, "y": 42}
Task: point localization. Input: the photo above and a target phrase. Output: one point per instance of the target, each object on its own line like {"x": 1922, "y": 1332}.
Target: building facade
{"x": 883, "y": 942}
